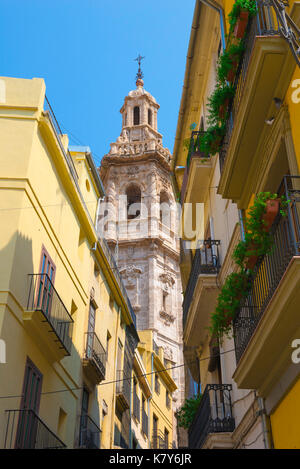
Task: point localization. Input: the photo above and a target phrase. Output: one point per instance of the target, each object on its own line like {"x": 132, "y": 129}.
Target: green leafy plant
{"x": 238, "y": 6}
{"x": 210, "y": 141}
{"x": 258, "y": 241}
{"x": 235, "y": 288}
{"x": 187, "y": 412}
{"x": 221, "y": 96}
{"x": 229, "y": 59}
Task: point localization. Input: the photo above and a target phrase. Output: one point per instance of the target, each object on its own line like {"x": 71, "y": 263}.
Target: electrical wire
{"x": 129, "y": 378}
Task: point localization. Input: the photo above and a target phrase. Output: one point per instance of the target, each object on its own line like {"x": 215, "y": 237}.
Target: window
{"x": 91, "y": 330}
{"x": 136, "y": 115}
{"x": 166, "y": 439}
{"x": 30, "y": 404}
{"x": 46, "y": 282}
{"x": 168, "y": 400}
{"x": 149, "y": 117}
{"x": 164, "y": 209}
{"x": 133, "y": 194}
{"x": 157, "y": 384}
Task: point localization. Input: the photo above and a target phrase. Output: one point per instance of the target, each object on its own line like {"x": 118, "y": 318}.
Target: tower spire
{"x": 139, "y": 75}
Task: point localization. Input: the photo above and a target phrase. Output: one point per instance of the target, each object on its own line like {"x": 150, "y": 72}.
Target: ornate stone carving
{"x": 167, "y": 318}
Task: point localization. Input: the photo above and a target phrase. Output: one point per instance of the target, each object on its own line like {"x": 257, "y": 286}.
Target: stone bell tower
{"x": 139, "y": 223}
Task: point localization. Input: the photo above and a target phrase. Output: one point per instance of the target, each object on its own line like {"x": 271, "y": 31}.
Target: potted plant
{"x": 239, "y": 15}
{"x": 210, "y": 141}
{"x": 186, "y": 414}
{"x": 228, "y": 62}
{"x": 218, "y": 102}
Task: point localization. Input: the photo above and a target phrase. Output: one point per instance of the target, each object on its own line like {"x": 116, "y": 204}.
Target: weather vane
{"x": 139, "y": 74}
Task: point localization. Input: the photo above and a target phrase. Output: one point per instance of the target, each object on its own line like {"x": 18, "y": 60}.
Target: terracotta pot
{"x": 251, "y": 260}
{"x": 241, "y": 24}
{"x": 272, "y": 209}
{"x": 232, "y": 72}
{"x": 223, "y": 108}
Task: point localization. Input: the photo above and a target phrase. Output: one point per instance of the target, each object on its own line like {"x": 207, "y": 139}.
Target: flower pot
{"x": 232, "y": 72}
{"x": 241, "y": 24}
{"x": 272, "y": 209}
{"x": 250, "y": 261}
{"x": 223, "y": 109}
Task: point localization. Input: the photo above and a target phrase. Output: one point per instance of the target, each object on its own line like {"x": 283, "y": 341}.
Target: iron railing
{"x": 123, "y": 385}
{"x": 90, "y": 433}
{"x": 265, "y": 23}
{"x": 144, "y": 422}
{"x": 206, "y": 261}
{"x": 194, "y": 152}
{"x": 270, "y": 269}
{"x": 44, "y": 297}
{"x": 159, "y": 441}
{"x": 95, "y": 351}
{"x": 114, "y": 267}
{"x": 136, "y": 406}
{"x": 214, "y": 414}
{"x": 25, "y": 430}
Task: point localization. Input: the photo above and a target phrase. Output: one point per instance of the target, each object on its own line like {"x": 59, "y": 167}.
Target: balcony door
{"x": 29, "y": 409}
{"x": 91, "y": 330}
{"x": 84, "y": 440}
{"x": 45, "y": 283}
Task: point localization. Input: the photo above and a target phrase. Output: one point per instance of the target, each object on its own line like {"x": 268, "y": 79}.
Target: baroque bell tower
{"x": 139, "y": 223}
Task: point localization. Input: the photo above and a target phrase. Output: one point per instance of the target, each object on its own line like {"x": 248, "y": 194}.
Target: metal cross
{"x": 139, "y": 73}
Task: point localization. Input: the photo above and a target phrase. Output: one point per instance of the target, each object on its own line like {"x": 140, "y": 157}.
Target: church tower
{"x": 139, "y": 223}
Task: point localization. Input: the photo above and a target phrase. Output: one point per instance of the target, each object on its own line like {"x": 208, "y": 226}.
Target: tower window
{"x": 136, "y": 115}
{"x": 133, "y": 194}
{"x": 149, "y": 117}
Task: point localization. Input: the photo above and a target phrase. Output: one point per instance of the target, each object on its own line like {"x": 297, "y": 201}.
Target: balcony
{"x": 268, "y": 319}
{"x": 47, "y": 319}
{"x": 123, "y": 390}
{"x": 159, "y": 441}
{"x": 94, "y": 360}
{"x": 144, "y": 422}
{"x": 264, "y": 73}
{"x": 197, "y": 171}
{"x": 136, "y": 407}
{"x": 25, "y": 430}
{"x": 200, "y": 297}
{"x": 213, "y": 416}
{"x": 90, "y": 433}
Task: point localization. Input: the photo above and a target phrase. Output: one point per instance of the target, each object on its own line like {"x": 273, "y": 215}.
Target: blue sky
{"x": 85, "y": 50}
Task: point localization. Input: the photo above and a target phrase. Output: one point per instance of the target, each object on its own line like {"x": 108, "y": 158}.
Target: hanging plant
{"x": 211, "y": 140}
{"x": 258, "y": 242}
{"x": 186, "y": 414}
{"x": 239, "y": 15}
{"x": 218, "y": 103}
{"x": 228, "y": 62}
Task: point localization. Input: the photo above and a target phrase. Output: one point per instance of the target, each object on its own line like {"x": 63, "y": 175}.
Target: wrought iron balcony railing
{"x": 44, "y": 297}
{"x": 206, "y": 261}
{"x": 114, "y": 267}
{"x": 159, "y": 441}
{"x": 144, "y": 422}
{"x": 96, "y": 352}
{"x": 90, "y": 433}
{"x": 123, "y": 386}
{"x": 25, "y": 430}
{"x": 214, "y": 414}
{"x": 136, "y": 406}
{"x": 266, "y": 23}
{"x": 270, "y": 269}
{"x": 194, "y": 152}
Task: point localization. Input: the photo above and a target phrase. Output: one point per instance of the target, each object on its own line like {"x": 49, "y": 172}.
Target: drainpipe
{"x": 266, "y": 431}
{"x": 220, "y": 10}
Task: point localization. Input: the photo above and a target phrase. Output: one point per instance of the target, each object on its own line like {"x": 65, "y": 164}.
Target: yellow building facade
{"x": 258, "y": 152}
{"x": 66, "y": 324}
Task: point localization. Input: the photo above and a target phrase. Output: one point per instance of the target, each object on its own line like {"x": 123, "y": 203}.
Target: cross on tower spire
{"x": 139, "y": 75}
